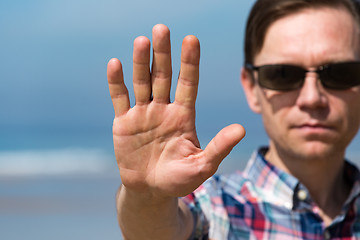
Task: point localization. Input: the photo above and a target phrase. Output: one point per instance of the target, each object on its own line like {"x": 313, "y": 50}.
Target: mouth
{"x": 317, "y": 128}
{"x": 316, "y": 125}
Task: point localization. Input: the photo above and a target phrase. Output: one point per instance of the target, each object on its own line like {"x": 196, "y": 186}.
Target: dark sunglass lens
{"x": 341, "y": 75}
{"x": 281, "y": 77}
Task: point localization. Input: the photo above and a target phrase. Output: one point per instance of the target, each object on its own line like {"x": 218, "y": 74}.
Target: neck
{"x": 323, "y": 177}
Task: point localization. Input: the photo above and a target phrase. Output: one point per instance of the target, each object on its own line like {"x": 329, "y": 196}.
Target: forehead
{"x": 311, "y": 37}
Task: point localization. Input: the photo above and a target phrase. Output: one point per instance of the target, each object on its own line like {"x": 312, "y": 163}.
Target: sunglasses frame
{"x": 327, "y": 78}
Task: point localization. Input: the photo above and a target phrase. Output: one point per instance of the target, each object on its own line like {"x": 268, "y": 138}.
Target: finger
{"x": 118, "y": 91}
{"x": 161, "y": 69}
{"x": 141, "y": 70}
{"x": 188, "y": 81}
{"x": 221, "y": 145}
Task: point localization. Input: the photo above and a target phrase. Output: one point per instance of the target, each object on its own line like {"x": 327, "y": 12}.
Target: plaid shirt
{"x": 264, "y": 202}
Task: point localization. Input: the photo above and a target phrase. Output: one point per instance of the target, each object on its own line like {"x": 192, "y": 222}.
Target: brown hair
{"x": 266, "y": 12}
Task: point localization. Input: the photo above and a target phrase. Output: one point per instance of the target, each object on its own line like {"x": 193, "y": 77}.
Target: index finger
{"x": 188, "y": 81}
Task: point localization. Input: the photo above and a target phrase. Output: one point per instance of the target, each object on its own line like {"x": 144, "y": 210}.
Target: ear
{"x": 249, "y": 87}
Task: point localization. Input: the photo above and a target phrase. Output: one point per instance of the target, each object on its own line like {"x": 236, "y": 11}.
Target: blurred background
{"x": 58, "y": 174}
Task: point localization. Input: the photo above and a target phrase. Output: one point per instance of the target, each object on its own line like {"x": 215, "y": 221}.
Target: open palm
{"x": 155, "y": 142}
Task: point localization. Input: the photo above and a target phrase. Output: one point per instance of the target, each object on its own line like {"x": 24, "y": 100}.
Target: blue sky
{"x": 54, "y": 97}
{"x": 53, "y": 66}
{"x": 54, "y": 55}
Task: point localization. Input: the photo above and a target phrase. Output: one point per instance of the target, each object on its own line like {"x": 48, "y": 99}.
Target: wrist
{"x": 143, "y": 198}
{"x": 158, "y": 217}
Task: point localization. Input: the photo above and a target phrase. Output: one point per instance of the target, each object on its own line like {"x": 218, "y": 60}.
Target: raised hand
{"x": 155, "y": 142}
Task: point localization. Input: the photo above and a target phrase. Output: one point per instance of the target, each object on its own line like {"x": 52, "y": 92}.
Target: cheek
{"x": 278, "y": 102}
{"x": 275, "y": 107}
{"x": 275, "y": 121}
{"x": 354, "y": 117}
{"x": 347, "y": 112}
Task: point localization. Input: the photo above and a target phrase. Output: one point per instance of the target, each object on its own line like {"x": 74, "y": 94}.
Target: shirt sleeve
{"x": 201, "y": 224}
{"x": 210, "y": 216}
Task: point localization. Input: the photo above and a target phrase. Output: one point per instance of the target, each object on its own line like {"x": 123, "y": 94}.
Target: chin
{"x": 319, "y": 150}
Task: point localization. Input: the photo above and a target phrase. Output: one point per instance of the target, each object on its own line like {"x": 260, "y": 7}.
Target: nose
{"x": 312, "y": 93}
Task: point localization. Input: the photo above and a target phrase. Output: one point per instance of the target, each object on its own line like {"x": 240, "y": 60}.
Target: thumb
{"x": 222, "y": 144}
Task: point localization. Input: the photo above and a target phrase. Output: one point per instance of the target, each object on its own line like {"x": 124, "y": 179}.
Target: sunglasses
{"x": 283, "y": 77}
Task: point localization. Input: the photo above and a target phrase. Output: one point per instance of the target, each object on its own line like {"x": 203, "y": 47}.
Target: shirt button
{"x": 327, "y": 234}
{"x": 302, "y": 195}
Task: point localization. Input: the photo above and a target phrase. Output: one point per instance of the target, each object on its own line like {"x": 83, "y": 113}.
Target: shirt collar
{"x": 281, "y": 188}
{"x": 352, "y": 175}
{"x": 274, "y": 185}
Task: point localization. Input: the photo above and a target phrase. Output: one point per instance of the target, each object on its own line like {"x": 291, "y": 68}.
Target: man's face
{"x": 313, "y": 121}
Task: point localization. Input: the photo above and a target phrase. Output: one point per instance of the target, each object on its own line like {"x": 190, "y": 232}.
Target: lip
{"x": 314, "y": 128}
{"x": 313, "y": 125}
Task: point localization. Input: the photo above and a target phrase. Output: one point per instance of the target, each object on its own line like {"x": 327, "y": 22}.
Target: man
{"x": 302, "y": 75}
